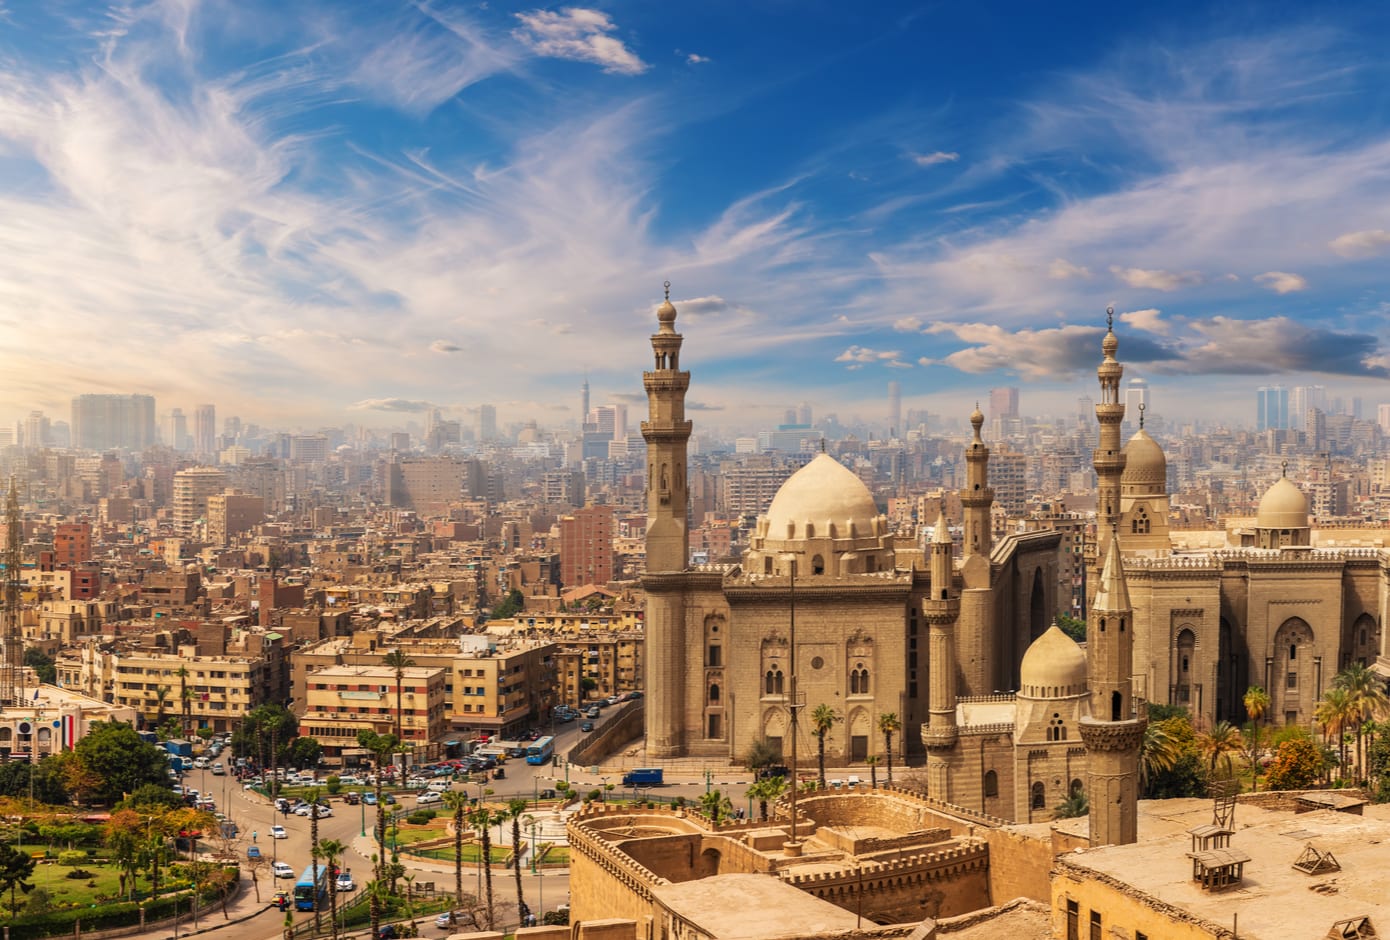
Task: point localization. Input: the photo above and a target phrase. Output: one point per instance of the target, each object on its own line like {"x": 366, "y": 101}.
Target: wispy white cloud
{"x": 934, "y": 158}
{"x": 580, "y": 35}
{"x": 1361, "y": 244}
{"x": 1148, "y": 320}
{"x": 908, "y": 324}
{"x": 403, "y": 405}
{"x": 444, "y": 346}
{"x": 1156, "y": 279}
{"x": 860, "y": 356}
{"x": 1282, "y": 282}
{"x": 695, "y": 58}
{"x": 1062, "y": 270}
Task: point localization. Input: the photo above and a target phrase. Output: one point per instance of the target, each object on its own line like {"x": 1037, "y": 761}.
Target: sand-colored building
{"x": 340, "y": 701}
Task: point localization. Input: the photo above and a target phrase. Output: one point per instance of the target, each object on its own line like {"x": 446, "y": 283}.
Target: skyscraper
{"x": 205, "y": 430}
{"x": 36, "y": 431}
{"x": 584, "y": 401}
{"x": 487, "y": 423}
{"x": 176, "y": 430}
{"x": 895, "y": 407}
{"x": 1302, "y": 399}
{"x": 1003, "y": 402}
{"x": 1271, "y": 407}
{"x": 1136, "y": 397}
{"x": 113, "y": 422}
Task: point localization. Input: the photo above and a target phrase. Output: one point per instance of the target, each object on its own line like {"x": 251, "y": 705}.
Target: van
{"x": 438, "y": 786}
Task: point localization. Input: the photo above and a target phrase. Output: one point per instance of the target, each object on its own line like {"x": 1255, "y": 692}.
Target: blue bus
{"x": 541, "y": 751}
{"x": 310, "y": 887}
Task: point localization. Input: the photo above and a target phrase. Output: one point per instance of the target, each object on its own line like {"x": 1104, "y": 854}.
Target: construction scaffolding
{"x": 11, "y": 598}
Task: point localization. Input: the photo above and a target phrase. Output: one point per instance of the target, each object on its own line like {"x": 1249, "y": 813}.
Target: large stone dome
{"x": 1283, "y": 507}
{"x": 819, "y": 495}
{"x": 1053, "y": 667}
{"x": 1146, "y": 469}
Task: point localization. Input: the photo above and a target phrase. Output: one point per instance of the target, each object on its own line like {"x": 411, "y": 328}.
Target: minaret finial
{"x": 1284, "y": 469}
{"x": 1142, "y": 406}
{"x": 822, "y": 444}
{"x": 1110, "y": 318}
{"x": 667, "y": 286}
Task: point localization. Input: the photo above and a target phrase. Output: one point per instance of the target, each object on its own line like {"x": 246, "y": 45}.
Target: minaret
{"x": 1114, "y": 730}
{"x": 941, "y": 609}
{"x": 977, "y": 497}
{"x": 668, "y": 540}
{"x": 1109, "y": 456}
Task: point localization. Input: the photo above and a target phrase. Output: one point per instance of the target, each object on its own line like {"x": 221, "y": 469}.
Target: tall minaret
{"x": 977, "y": 497}
{"x": 941, "y": 609}
{"x": 1114, "y": 730}
{"x": 668, "y": 538}
{"x": 1108, "y": 457}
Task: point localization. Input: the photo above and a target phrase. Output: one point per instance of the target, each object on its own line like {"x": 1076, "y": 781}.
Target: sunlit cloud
{"x": 1361, "y": 244}
{"x": 1282, "y": 282}
{"x": 578, "y": 34}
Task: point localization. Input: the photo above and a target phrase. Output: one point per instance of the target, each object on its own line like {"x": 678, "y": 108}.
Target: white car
{"x": 278, "y": 832}
{"x": 282, "y": 870}
{"x": 200, "y": 762}
{"x": 345, "y": 882}
{"x": 429, "y": 796}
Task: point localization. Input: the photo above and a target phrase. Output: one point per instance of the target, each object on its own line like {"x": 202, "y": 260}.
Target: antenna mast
{"x": 11, "y": 631}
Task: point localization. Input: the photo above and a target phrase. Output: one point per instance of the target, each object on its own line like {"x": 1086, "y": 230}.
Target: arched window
{"x": 859, "y": 681}
{"x": 1115, "y": 706}
{"x": 1039, "y": 798}
{"x": 1077, "y": 788}
{"x": 772, "y": 681}
{"x": 714, "y": 694}
{"x": 991, "y": 783}
{"x": 817, "y": 565}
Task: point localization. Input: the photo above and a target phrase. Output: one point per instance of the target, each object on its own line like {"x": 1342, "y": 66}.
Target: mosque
{"x": 1014, "y": 717}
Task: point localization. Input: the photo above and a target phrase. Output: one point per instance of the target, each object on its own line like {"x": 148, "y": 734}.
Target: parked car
{"x": 345, "y": 882}
{"x": 370, "y": 800}
{"x": 254, "y": 852}
{"x": 587, "y": 726}
{"x": 200, "y": 762}
{"x": 282, "y": 870}
{"x": 278, "y": 832}
{"x": 429, "y": 796}
{"x": 591, "y": 711}
{"x": 386, "y": 932}
{"x": 352, "y": 798}
{"x": 218, "y": 769}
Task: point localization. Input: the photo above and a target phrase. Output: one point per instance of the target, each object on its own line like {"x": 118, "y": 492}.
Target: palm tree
{"x": 481, "y": 818}
{"x": 457, "y": 801}
{"x": 312, "y": 795}
{"x": 515, "y": 809}
{"x": 332, "y": 851}
{"x": 1217, "y": 744}
{"x": 1075, "y": 805}
{"x": 872, "y": 761}
{"x": 1256, "y": 705}
{"x": 1336, "y": 712}
{"x": 161, "y": 696}
{"x": 185, "y": 696}
{"x": 377, "y": 896}
{"x": 1158, "y": 753}
{"x": 716, "y": 805}
{"x": 1369, "y": 701}
{"x": 765, "y": 791}
{"x": 889, "y": 725}
{"x": 823, "y": 718}
{"x": 399, "y": 661}
{"x": 382, "y": 747}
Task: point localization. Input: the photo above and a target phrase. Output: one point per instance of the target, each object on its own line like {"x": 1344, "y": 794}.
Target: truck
{"x": 643, "y": 777}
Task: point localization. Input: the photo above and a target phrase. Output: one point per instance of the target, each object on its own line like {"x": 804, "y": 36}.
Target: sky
{"x": 316, "y": 213}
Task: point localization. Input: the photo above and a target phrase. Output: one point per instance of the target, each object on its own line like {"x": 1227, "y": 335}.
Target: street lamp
{"x": 531, "y": 821}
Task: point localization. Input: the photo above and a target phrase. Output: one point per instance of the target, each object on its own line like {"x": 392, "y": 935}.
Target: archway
{"x": 1184, "y": 667}
{"x": 1292, "y": 675}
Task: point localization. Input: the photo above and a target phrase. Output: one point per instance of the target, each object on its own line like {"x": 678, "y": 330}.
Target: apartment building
{"x": 340, "y": 701}
{"x": 192, "y": 488}
{"x": 232, "y": 512}
{"x": 586, "y": 546}
{"x": 599, "y": 666}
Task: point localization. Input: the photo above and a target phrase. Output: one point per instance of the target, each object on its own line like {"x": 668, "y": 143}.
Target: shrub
{"x": 334, "y": 784}
{"x": 72, "y": 857}
{"x": 420, "y": 817}
{"x": 78, "y": 873}
{"x": 594, "y": 794}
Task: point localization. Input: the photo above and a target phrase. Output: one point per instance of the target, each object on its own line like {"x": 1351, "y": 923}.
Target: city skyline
{"x": 340, "y": 214}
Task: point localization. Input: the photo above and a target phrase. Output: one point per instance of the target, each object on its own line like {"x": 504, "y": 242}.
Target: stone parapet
{"x": 1113, "y": 735}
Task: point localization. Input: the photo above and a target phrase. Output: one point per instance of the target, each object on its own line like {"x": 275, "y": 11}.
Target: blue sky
{"x": 318, "y": 213}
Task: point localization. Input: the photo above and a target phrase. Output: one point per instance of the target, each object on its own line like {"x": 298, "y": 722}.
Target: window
{"x": 1095, "y": 925}
{"x": 714, "y": 695}
{"x": 715, "y": 657}
{"x": 1073, "y": 920}
{"x": 859, "y": 680}
{"x": 1039, "y": 796}
{"x": 1293, "y": 652}
{"x": 772, "y": 682}
{"x": 991, "y": 783}
{"x": 1291, "y": 681}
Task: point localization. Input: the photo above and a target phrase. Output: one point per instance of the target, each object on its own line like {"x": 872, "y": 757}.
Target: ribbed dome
{"x": 1145, "y": 464}
{"x": 820, "y": 493}
{"x": 1053, "y": 667}
{"x": 1283, "y": 507}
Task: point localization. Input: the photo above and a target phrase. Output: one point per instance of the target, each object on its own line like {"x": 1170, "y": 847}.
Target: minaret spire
{"x": 1114, "y": 730}
{"x": 942, "y": 611}
{"x": 977, "y": 497}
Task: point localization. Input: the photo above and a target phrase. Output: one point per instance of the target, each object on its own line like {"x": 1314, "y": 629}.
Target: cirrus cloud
{"x": 400, "y": 405}
{"x": 1156, "y": 279}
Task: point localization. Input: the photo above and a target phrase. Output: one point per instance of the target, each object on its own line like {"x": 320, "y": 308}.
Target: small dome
{"x": 821, "y": 492}
{"x": 1283, "y": 507}
{"x": 666, "y": 313}
{"x": 1053, "y": 667}
{"x": 1145, "y": 464}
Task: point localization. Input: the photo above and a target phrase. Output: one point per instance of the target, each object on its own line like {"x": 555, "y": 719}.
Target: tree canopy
{"x": 119, "y": 761}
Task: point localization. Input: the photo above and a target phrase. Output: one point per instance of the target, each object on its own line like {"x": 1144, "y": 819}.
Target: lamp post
{"x": 362, "y": 809}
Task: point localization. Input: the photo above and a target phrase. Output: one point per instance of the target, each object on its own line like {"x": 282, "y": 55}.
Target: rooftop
{"x": 752, "y": 907}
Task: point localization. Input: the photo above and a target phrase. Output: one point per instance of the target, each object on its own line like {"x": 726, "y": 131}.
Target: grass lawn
{"x": 62, "y": 889}
{"x": 409, "y": 835}
{"x": 472, "y": 852}
{"x": 556, "y": 855}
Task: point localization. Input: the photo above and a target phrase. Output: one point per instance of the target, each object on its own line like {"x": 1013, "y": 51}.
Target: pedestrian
{"x": 254, "y": 836}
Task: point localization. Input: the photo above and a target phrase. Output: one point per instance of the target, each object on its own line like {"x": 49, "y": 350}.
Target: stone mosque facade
{"x": 1013, "y": 715}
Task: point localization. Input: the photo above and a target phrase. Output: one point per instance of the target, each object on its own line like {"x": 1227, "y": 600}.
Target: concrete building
{"x": 598, "y": 666}
{"x": 113, "y": 422}
{"x": 586, "y": 547}
{"x": 340, "y": 701}
{"x": 231, "y": 513}
{"x": 72, "y": 543}
{"x": 192, "y": 488}
{"x": 427, "y": 485}
{"x": 52, "y": 720}
{"x": 205, "y": 430}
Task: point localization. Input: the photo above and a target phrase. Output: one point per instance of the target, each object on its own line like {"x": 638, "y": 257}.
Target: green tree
{"x": 185, "y": 698}
{"x": 765, "y": 791}
{"x": 761, "y": 754}
{"x": 124, "y": 836}
{"x": 47, "y": 780}
{"x": 1073, "y": 806}
{"x": 119, "y": 761}
{"x": 1256, "y": 706}
{"x": 400, "y": 662}
{"x": 823, "y": 718}
{"x": 312, "y": 796}
{"x": 1335, "y": 713}
{"x": 378, "y": 896}
{"x": 482, "y": 820}
{"x": 872, "y": 761}
{"x": 42, "y": 664}
{"x": 716, "y": 805}
{"x": 253, "y": 735}
{"x": 1219, "y": 744}
{"x": 304, "y": 753}
{"x": 161, "y": 697}
{"x": 151, "y": 797}
{"x": 509, "y": 606}
{"x": 1368, "y": 702}
{"x": 382, "y": 747}
{"x": 16, "y": 868}
{"x": 457, "y": 801}
{"x": 1074, "y": 627}
{"x": 1297, "y": 763}
{"x": 516, "y": 808}
{"x": 889, "y": 725}
{"x": 332, "y": 851}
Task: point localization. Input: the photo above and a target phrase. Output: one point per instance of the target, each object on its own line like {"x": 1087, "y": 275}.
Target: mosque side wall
{"x": 1281, "y": 592}
{"x": 707, "y": 624}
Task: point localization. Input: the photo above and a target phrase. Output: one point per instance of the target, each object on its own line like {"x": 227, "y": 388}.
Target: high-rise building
{"x": 803, "y": 413}
{"x": 36, "y": 431}
{"x": 1302, "y": 399}
{"x": 231, "y": 513}
{"x": 584, "y": 401}
{"x": 487, "y": 423}
{"x": 309, "y": 448}
{"x": 1271, "y": 407}
{"x": 205, "y": 430}
{"x": 72, "y": 543}
{"x": 1383, "y": 417}
{"x": 428, "y": 485}
{"x": 895, "y": 407}
{"x": 176, "y": 430}
{"x": 1136, "y": 398}
{"x": 113, "y": 422}
{"x": 1003, "y": 402}
{"x": 586, "y": 546}
{"x": 192, "y": 487}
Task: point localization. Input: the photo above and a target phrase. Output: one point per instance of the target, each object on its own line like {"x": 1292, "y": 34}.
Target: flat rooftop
{"x": 752, "y": 907}
{"x": 1275, "y": 901}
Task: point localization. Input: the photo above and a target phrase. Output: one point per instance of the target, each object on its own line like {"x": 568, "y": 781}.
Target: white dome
{"x": 1053, "y": 667}
{"x": 1283, "y": 507}
{"x": 822, "y": 493}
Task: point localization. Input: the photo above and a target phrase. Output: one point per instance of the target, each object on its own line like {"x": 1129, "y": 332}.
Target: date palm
{"x": 765, "y": 791}
{"x": 400, "y": 662}
{"x": 889, "y": 725}
{"x": 1369, "y": 701}
{"x": 457, "y": 801}
{"x": 514, "y": 811}
{"x": 332, "y": 851}
{"x": 823, "y": 718}
{"x": 1219, "y": 743}
{"x": 1158, "y": 753}
{"x": 1335, "y": 713}
{"x": 312, "y": 795}
{"x": 482, "y": 819}
{"x": 1256, "y": 705}
{"x": 382, "y": 747}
